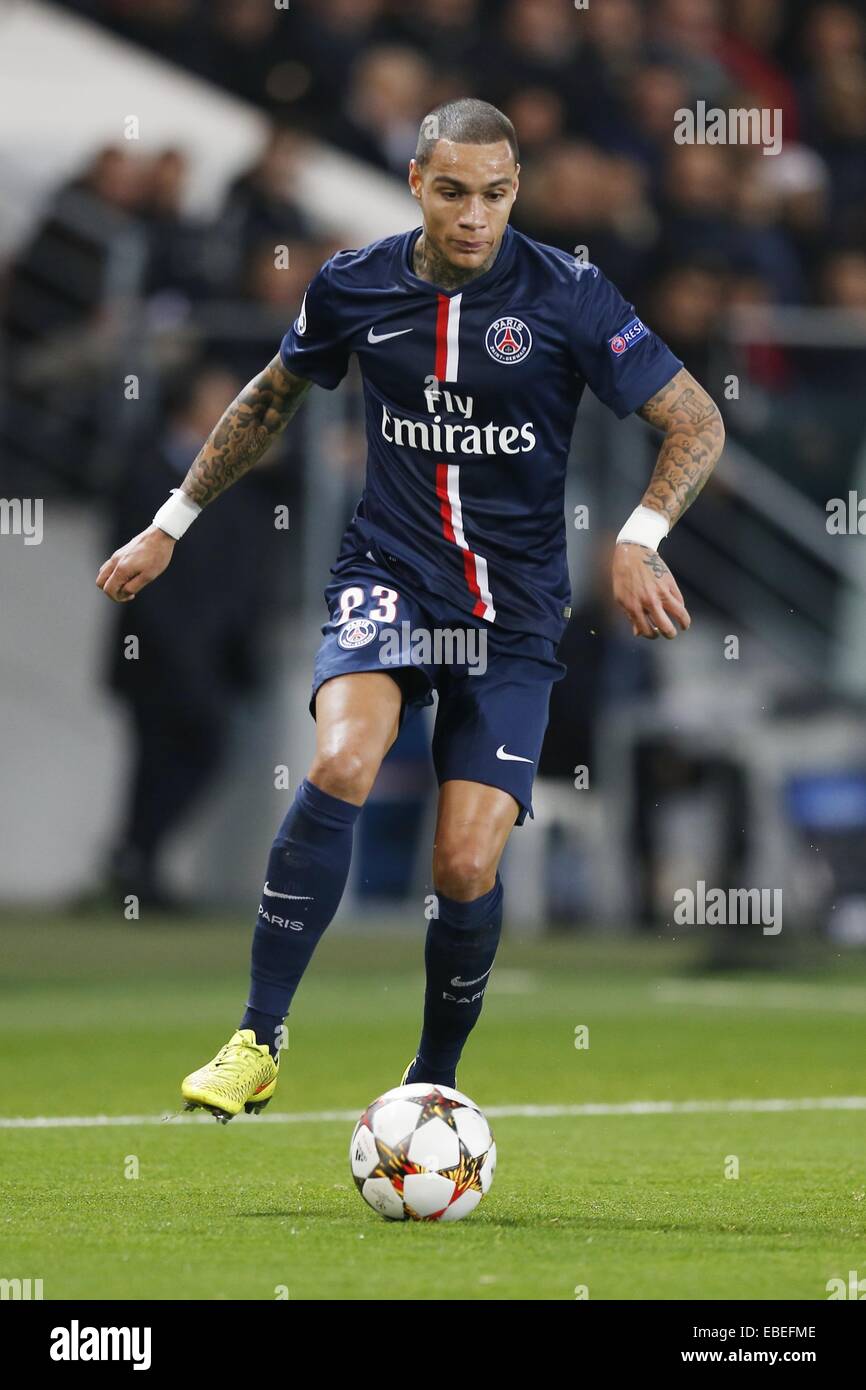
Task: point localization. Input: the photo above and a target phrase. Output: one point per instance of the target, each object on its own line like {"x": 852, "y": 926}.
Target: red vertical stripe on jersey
{"x": 444, "y": 503}
{"x": 448, "y": 475}
{"x": 442, "y": 339}
{"x": 479, "y": 608}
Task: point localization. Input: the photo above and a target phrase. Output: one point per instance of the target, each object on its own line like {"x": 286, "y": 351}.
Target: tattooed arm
{"x": 694, "y": 435}
{"x": 246, "y": 430}
{"x": 235, "y": 444}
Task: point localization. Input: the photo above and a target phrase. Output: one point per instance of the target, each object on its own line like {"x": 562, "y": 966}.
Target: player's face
{"x": 466, "y": 194}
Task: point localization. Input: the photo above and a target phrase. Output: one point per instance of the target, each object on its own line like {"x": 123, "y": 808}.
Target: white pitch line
{"x": 761, "y": 995}
{"x": 500, "y": 1112}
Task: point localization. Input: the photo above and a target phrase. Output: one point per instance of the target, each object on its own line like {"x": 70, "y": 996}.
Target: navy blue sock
{"x": 459, "y": 952}
{"x": 307, "y": 871}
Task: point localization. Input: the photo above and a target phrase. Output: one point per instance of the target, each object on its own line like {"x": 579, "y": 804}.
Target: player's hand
{"x": 645, "y": 590}
{"x": 135, "y": 564}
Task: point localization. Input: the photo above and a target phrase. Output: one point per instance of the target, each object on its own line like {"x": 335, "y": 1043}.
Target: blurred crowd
{"x": 687, "y": 231}
{"x": 181, "y": 261}
{"x": 593, "y": 94}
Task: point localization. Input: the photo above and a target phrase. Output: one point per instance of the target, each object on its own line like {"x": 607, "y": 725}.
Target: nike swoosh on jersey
{"x": 296, "y": 897}
{"x": 457, "y": 980}
{"x": 510, "y": 757}
{"x": 373, "y": 337}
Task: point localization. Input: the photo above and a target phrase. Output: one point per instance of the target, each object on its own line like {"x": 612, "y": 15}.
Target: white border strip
{"x": 499, "y": 1112}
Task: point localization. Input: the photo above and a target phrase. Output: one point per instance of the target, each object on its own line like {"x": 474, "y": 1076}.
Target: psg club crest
{"x": 357, "y": 632}
{"x": 508, "y": 340}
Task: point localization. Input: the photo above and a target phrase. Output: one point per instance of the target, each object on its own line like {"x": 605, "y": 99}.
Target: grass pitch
{"x": 100, "y": 1019}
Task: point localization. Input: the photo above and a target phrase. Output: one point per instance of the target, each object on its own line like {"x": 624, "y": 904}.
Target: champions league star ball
{"x": 422, "y": 1153}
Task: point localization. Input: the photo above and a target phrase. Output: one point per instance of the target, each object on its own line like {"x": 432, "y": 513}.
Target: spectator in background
{"x": 606, "y": 669}
{"x": 539, "y": 114}
{"x": 696, "y": 205}
{"x": 768, "y": 366}
{"x": 274, "y": 286}
{"x": 388, "y": 98}
{"x": 262, "y": 205}
{"x": 615, "y": 35}
{"x": 198, "y": 637}
{"x": 840, "y": 133}
{"x": 843, "y": 280}
{"x": 448, "y": 32}
{"x": 718, "y": 209}
{"x": 800, "y": 181}
{"x": 578, "y": 196}
{"x": 687, "y": 34}
{"x": 842, "y": 371}
{"x": 763, "y": 248}
{"x": 453, "y": 41}
{"x": 685, "y": 308}
{"x": 88, "y": 248}
{"x": 832, "y": 91}
{"x": 538, "y": 41}
{"x": 606, "y": 72}
{"x": 653, "y": 101}
{"x": 177, "y": 262}
{"x": 271, "y": 291}
{"x": 830, "y": 34}
{"x": 752, "y": 32}
{"x": 58, "y": 279}
{"x": 333, "y": 35}
{"x": 245, "y": 41}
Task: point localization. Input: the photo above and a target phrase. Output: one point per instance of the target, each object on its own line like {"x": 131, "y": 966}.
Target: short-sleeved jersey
{"x": 470, "y": 399}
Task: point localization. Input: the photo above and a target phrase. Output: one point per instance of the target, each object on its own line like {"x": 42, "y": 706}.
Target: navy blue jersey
{"x": 470, "y": 400}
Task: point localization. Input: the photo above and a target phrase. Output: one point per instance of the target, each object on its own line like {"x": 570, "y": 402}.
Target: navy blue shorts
{"x": 493, "y": 685}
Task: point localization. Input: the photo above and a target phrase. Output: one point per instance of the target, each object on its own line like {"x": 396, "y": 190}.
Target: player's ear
{"x": 414, "y": 179}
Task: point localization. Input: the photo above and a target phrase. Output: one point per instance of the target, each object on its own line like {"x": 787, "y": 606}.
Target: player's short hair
{"x": 466, "y": 122}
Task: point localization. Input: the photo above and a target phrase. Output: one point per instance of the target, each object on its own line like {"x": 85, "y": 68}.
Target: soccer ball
{"x": 422, "y": 1153}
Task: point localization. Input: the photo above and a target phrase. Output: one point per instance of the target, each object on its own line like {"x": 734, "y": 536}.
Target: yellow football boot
{"x": 242, "y": 1076}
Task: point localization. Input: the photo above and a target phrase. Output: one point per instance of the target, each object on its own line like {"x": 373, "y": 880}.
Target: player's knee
{"x": 463, "y": 870}
{"x": 344, "y": 770}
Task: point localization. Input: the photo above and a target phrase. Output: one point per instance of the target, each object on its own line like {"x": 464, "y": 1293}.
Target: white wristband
{"x": 177, "y": 514}
{"x": 644, "y": 527}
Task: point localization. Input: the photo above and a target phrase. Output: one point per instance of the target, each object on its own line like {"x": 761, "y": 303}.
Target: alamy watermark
{"x": 737, "y": 126}
{"x": 401, "y": 644}
{"x": 22, "y": 516}
{"x": 437, "y": 646}
{"x": 77, "y": 1343}
{"x": 719, "y": 907}
{"x": 23, "y": 1289}
{"x": 855, "y": 1287}
{"x": 846, "y": 516}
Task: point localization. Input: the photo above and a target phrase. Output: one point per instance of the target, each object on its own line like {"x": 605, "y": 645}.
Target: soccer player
{"x": 474, "y": 344}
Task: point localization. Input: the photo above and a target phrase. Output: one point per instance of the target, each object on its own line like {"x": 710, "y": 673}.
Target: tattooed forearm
{"x": 244, "y": 432}
{"x": 694, "y": 436}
